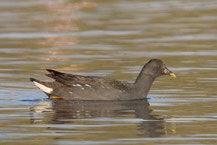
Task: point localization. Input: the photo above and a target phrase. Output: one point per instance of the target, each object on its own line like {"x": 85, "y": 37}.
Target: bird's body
{"x": 77, "y": 87}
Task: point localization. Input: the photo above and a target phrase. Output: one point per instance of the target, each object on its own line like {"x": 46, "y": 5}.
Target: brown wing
{"x": 70, "y": 80}
{"x": 87, "y": 87}
{"x": 64, "y": 78}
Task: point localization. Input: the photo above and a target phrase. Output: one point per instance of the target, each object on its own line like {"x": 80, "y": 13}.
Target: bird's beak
{"x": 170, "y": 73}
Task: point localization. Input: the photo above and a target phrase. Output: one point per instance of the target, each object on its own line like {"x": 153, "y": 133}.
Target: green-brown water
{"x": 113, "y": 39}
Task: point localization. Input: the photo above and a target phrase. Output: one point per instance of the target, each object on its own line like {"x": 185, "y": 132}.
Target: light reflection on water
{"x": 113, "y": 39}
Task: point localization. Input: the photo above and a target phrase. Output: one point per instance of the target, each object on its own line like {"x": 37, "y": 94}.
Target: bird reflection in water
{"x": 66, "y": 112}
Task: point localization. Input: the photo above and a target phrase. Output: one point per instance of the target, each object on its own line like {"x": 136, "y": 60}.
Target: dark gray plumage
{"x": 77, "y": 87}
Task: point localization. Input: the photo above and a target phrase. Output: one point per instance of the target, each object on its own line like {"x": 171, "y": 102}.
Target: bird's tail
{"x": 42, "y": 86}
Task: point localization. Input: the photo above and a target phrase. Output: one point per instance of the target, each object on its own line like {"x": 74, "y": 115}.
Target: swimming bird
{"x": 76, "y": 87}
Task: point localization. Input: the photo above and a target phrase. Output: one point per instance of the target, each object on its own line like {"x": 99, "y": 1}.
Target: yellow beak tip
{"x": 172, "y": 75}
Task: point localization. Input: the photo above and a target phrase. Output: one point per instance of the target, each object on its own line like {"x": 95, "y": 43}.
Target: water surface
{"x": 113, "y": 39}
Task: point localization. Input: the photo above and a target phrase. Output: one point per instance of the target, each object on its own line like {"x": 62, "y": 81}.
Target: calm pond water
{"x": 113, "y": 39}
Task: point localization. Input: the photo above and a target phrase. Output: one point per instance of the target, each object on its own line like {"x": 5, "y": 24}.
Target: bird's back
{"x": 77, "y": 87}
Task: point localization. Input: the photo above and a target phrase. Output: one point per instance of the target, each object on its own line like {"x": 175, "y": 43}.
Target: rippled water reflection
{"x": 113, "y": 39}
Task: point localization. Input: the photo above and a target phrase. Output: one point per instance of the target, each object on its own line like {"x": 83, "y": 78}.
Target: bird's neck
{"x": 143, "y": 84}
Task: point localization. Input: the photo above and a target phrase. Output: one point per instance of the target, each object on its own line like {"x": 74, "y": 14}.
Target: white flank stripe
{"x": 43, "y": 88}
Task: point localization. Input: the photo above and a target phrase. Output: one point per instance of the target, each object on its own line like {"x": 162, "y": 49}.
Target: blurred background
{"x": 112, "y": 39}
